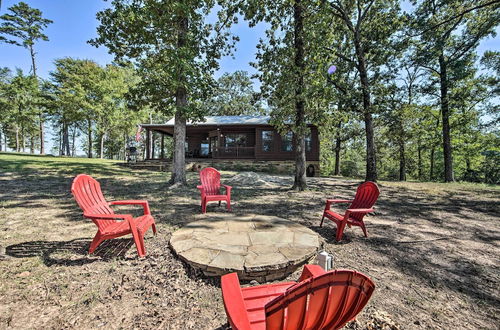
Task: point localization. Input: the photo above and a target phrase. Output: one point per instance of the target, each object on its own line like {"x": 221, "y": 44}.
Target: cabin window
{"x": 286, "y": 142}
{"x": 267, "y": 140}
{"x": 235, "y": 140}
{"x": 204, "y": 148}
{"x": 308, "y": 139}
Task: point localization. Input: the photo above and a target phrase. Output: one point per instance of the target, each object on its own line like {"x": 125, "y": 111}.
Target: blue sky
{"x": 75, "y": 23}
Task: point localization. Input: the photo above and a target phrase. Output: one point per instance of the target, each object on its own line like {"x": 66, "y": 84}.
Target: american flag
{"x": 138, "y": 135}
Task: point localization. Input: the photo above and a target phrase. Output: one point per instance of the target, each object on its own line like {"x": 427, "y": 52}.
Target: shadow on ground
{"x": 70, "y": 253}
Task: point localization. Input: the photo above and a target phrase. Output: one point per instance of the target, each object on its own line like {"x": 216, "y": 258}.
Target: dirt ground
{"x": 432, "y": 250}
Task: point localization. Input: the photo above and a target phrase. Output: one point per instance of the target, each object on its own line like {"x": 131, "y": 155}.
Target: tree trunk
{"x": 102, "y": 145}
{"x": 1, "y": 140}
{"x": 300, "y": 125}
{"x": 125, "y": 146}
{"x": 23, "y": 140}
{"x": 42, "y": 135}
{"x": 40, "y": 117}
{"x": 32, "y": 144}
{"x": 89, "y": 132}
{"x": 371, "y": 165}
{"x": 419, "y": 159}
{"x": 448, "y": 160}
{"x": 338, "y": 148}
{"x": 402, "y": 161}
{"x": 371, "y": 162}
{"x": 73, "y": 143}
{"x": 338, "y": 144}
{"x": 431, "y": 170}
{"x": 179, "y": 160}
{"x": 17, "y": 138}
{"x": 66, "y": 139}
{"x": 61, "y": 143}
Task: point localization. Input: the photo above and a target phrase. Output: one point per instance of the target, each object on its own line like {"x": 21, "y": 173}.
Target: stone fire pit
{"x": 258, "y": 247}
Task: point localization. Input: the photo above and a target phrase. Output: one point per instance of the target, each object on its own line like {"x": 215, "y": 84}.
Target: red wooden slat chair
{"x": 88, "y": 195}
{"x": 365, "y": 198}
{"x": 320, "y": 300}
{"x": 210, "y": 189}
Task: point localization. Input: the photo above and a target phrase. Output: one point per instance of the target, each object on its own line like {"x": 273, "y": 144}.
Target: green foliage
{"x": 20, "y": 100}
{"x": 233, "y": 96}
{"x": 94, "y": 99}
{"x": 23, "y": 26}
{"x": 171, "y": 45}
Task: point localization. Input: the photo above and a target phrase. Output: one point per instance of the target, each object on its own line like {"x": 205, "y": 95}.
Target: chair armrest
{"x": 234, "y": 303}
{"x": 329, "y": 202}
{"x": 228, "y": 189}
{"x": 336, "y": 201}
{"x": 145, "y": 204}
{"x": 202, "y": 190}
{"x": 311, "y": 271}
{"x": 360, "y": 210}
{"x": 108, "y": 216}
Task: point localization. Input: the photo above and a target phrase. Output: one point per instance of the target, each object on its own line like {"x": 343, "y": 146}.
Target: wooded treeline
{"x": 411, "y": 98}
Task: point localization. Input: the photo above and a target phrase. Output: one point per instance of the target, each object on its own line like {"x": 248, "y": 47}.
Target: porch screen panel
{"x": 286, "y": 142}
{"x": 267, "y": 140}
{"x": 308, "y": 140}
{"x": 235, "y": 140}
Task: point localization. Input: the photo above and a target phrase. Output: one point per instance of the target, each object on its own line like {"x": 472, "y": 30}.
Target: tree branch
{"x": 458, "y": 15}
{"x": 347, "y": 59}
{"x": 430, "y": 68}
{"x": 478, "y": 36}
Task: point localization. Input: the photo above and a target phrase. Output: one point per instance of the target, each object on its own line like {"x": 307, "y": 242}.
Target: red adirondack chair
{"x": 210, "y": 189}
{"x": 88, "y": 195}
{"x": 365, "y": 198}
{"x": 320, "y": 300}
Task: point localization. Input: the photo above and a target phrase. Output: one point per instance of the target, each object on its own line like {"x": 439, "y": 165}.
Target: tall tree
{"x": 176, "y": 52}
{"x": 286, "y": 68}
{"x": 234, "y": 96}
{"x": 23, "y": 27}
{"x": 80, "y": 94}
{"x": 370, "y": 28}
{"x": 448, "y": 32}
{"x": 491, "y": 62}
{"x": 22, "y": 97}
{"x": 5, "y": 107}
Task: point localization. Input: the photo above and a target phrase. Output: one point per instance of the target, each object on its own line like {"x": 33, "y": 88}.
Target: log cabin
{"x": 243, "y": 142}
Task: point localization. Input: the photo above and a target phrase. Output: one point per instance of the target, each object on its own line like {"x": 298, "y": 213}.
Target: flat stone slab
{"x": 258, "y": 247}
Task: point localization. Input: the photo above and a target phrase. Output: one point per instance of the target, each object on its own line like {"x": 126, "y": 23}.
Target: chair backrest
{"x": 210, "y": 180}
{"x": 327, "y": 301}
{"x": 366, "y": 196}
{"x": 88, "y": 195}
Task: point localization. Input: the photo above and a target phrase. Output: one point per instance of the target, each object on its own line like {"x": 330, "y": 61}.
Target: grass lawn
{"x": 433, "y": 249}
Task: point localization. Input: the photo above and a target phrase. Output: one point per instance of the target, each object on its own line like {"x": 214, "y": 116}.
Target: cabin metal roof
{"x": 221, "y": 121}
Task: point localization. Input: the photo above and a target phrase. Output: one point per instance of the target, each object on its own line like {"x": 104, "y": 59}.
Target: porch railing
{"x": 234, "y": 152}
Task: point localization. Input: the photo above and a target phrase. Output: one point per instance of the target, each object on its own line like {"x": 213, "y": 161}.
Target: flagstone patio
{"x": 258, "y": 247}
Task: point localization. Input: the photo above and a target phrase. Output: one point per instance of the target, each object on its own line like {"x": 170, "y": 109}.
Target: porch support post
{"x": 153, "y": 144}
{"x": 162, "y": 146}
{"x": 148, "y": 144}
